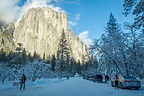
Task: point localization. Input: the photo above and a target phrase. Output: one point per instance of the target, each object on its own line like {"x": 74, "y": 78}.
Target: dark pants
{"x": 116, "y": 83}
{"x": 22, "y": 85}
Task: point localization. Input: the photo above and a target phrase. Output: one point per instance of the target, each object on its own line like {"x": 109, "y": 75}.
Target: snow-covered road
{"x": 72, "y": 87}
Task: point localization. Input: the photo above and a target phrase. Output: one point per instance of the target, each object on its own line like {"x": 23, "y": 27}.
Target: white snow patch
{"x": 71, "y": 87}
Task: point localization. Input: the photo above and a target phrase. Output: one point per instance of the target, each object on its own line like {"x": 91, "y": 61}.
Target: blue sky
{"x": 94, "y": 14}
{"x": 91, "y": 15}
{"x": 84, "y": 16}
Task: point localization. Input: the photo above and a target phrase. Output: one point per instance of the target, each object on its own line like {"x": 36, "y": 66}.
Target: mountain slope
{"x": 39, "y": 31}
{"x": 6, "y": 38}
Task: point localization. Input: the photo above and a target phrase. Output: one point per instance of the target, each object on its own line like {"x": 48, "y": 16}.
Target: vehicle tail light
{"x": 127, "y": 81}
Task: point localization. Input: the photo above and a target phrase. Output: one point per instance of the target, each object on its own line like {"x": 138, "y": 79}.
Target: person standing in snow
{"x": 23, "y": 80}
{"x": 67, "y": 77}
{"x": 116, "y": 81}
{"x": 106, "y": 78}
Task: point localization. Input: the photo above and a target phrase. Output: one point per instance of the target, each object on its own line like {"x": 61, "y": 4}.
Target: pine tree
{"x": 44, "y": 56}
{"x": 67, "y": 63}
{"x": 79, "y": 67}
{"x": 30, "y": 57}
{"x": 110, "y": 46}
{"x": 62, "y": 53}
{"x": 113, "y": 41}
{"x": 36, "y": 56}
{"x": 72, "y": 64}
{"x": 24, "y": 56}
{"x": 137, "y": 9}
{"x": 112, "y": 28}
{"x": 20, "y": 56}
{"x": 53, "y": 62}
{"x": 48, "y": 60}
{"x": 2, "y": 55}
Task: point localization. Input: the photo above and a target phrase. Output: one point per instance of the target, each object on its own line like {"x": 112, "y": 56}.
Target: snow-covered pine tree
{"x": 135, "y": 52}
{"x": 19, "y": 58}
{"x": 112, "y": 42}
{"x": 108, "y": 47}
{"x": 120, "y": 50}
{"x": 62, "y": 53}
{"x": 137, "y": 9}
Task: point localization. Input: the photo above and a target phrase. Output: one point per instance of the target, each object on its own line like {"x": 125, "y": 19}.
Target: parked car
{"x": 98, "y": 78}
{"x": 127, "y": 82}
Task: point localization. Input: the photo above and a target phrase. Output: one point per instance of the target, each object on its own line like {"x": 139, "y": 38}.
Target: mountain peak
{"x": 39, "y": 31}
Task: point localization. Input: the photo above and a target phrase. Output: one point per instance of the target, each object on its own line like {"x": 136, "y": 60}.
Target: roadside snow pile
{"x": 39, "y": 82}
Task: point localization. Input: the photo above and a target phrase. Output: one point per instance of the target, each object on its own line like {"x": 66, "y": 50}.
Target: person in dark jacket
{"x": 116, "y": 81}
{"x": 23, "y": 80}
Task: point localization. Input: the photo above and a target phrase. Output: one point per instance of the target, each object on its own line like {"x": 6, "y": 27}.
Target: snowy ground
{"x": 71, "y": 87}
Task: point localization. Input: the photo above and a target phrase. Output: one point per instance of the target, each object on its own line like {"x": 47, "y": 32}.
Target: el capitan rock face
{"x": 39, "y": 31}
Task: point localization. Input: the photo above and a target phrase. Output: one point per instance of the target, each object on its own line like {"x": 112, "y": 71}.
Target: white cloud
{"x": 77, "y": 16}
{"x": 71, "y": 2}
{"x": 8, "y": 10}
{"x": 72, "y": 23}
{"x": 84, "y": 37}
{"x": 67, "y": 2}
{"x": 58, "y": 9}
{"x": 75, "y": 21}
{"x": 39, "y": 3}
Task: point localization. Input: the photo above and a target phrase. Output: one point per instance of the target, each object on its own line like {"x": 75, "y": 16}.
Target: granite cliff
{"x": 39, "y": 31}
{"x": 6, "y": 38}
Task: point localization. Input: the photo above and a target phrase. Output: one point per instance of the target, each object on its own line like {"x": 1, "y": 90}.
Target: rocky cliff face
{"x": 39, "y": 31}
{"x": 6, "y": 38}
